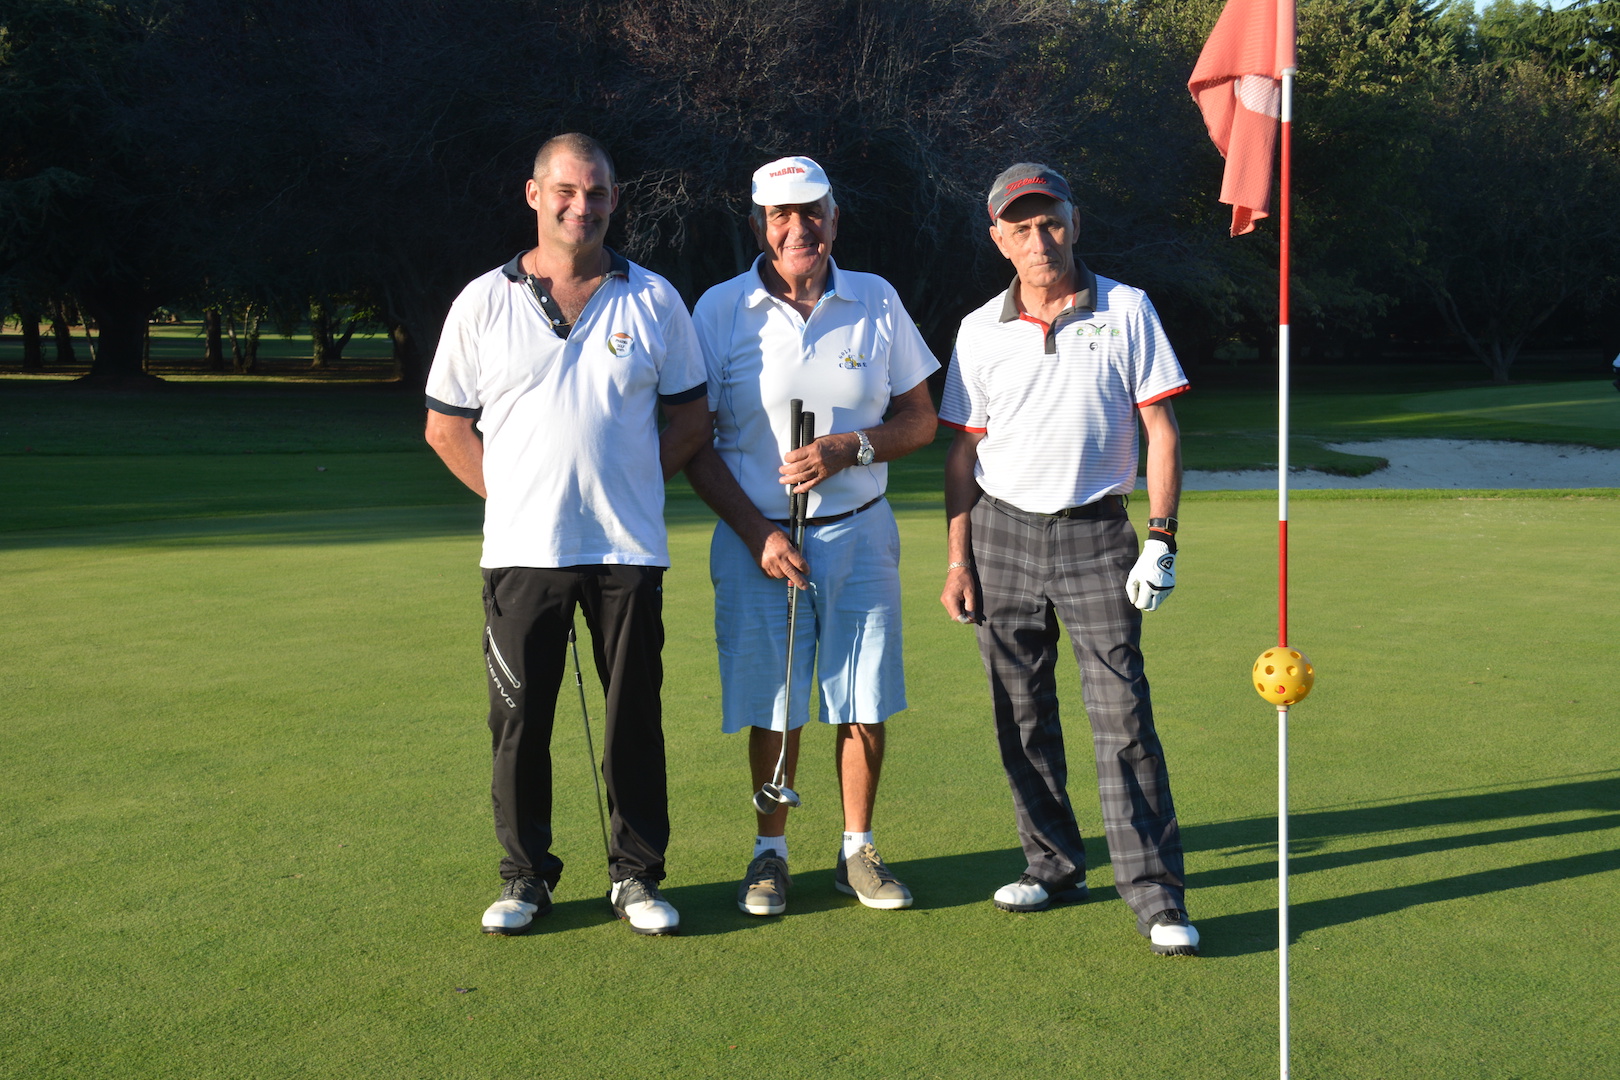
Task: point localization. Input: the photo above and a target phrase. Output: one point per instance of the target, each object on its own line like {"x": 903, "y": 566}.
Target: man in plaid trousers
{"x": 1045, "y": 391}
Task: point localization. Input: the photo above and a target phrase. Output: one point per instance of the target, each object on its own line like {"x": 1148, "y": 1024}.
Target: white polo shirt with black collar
{"x": 856, "y": 351}
{"x": 1057, "y": 404}
{"x": 569, "y": 415}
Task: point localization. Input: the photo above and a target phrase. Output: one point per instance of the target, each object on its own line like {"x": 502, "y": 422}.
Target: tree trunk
{"x": 407, "y": 358}
{"x": 33, "y": 358}
{"x": 63, "y": 335}
{"x": 214, "y": 349}
{"x": 121, "y": 311}
{"x": 250, "y": 346}
{"x": 320, "y": 335}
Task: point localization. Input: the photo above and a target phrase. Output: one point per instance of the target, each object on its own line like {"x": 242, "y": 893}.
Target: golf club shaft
{"x": 796, "y": 508}
{"x": 590, "y": 747}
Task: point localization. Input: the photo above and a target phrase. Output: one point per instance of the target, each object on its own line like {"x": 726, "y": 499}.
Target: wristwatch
{"x": 863, "y": 456}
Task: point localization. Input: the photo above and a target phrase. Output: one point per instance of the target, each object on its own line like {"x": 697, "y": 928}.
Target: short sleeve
{"x": 682, "y": 369}
{"x": 1158, "y": 372}
{"x": 706, "y": 318}
{"x": 910, "y": 359}
{"x": 962, "y": 406}
{"x": 453, "y": 379}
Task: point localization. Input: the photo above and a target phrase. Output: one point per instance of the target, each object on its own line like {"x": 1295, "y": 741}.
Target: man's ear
{"x": 753, "y": 227}
{"x": 995, "y": 238}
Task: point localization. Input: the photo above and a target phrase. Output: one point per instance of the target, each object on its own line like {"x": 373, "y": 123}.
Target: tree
{"x": 1520, "y": 206}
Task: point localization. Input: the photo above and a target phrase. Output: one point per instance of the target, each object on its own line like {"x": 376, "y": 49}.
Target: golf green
{"x": 245, "y": 801}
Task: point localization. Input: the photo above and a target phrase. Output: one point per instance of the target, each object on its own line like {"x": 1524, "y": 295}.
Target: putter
{"x": 801, "y": 431}
{"x": 590, "y": 747}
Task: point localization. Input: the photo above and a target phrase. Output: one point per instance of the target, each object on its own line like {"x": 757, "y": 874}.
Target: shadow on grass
{"x": 1309, "y": 831}
{"x": 969, "y": 878}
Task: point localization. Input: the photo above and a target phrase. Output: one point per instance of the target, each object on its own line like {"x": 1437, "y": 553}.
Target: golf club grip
{"x": 795, "y": 414}
{"x": 805, "y": 434}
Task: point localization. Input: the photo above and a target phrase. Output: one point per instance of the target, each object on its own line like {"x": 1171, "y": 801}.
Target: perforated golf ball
{"x": 1283, "y": 675}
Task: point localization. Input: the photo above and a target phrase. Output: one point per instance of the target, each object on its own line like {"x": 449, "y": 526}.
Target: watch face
{"x": 864, "y": 455}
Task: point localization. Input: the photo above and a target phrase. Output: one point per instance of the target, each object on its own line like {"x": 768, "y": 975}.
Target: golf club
{"x": 801, "y": 431}
{"x": 590, "y": 747}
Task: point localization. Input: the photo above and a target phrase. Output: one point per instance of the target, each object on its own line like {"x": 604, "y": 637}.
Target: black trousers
{"x": 528, "y": 612}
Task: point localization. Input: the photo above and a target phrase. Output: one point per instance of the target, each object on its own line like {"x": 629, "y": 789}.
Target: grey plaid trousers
{"x": 1033, "y": 571}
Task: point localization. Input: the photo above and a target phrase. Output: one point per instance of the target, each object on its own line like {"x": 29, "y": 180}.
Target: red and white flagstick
{"x": 1284, "y": 219}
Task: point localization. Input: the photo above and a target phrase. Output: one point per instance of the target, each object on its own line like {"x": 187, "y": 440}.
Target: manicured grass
{"x": 248, "y": 836}
{"x": 244, "y": 794}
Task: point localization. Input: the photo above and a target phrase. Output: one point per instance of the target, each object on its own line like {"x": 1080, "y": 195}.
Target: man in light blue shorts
{"x": 797, "y": 326}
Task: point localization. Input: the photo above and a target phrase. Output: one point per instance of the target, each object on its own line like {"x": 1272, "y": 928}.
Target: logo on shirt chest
{"x": 851, "y": 360}
{"x": 620, "y": 344}
{"x": 1095, "y": 334}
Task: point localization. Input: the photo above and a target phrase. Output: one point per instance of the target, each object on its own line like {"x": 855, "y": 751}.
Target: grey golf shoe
{"x": 638, "y": 902}
{"x": 523, "y": 900}
{"x": 764, "y": 888}
{"x": 866, "y": 878}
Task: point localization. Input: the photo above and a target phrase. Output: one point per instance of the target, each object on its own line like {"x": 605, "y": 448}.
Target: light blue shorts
{"x": 848, "y": 626}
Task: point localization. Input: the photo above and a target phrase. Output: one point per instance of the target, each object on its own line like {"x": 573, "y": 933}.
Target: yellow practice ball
{"x": 1283, "y": 676}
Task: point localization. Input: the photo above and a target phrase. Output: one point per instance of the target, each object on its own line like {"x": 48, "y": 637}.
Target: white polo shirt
{"x": 856, "y": 351}
{"x": 1057, "y": 405}
{"x": 570, "y": 425}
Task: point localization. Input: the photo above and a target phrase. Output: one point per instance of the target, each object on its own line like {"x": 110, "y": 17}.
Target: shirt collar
{"x": 618, "y": 265}
{"x": 758, "y": 293}
{"x": 1084, "y": 300}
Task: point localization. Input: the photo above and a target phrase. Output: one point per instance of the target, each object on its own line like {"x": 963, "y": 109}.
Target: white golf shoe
{"x": 1172, "y": 935}
{"x": 523, "y": 900}
{"x": 1032, "y": 894}
{"x": 639, "y": 903}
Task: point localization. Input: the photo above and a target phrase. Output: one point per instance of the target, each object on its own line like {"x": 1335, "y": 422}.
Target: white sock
{"x": 762, "y": 844}
{"x": 854, "y": 840}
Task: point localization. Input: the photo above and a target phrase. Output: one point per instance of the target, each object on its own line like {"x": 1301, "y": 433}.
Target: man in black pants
{"x": 561, "y": 359}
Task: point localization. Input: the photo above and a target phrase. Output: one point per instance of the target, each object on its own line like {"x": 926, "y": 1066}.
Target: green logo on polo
{"x": 850, "y": 360}
{"x": 620, "y": 344}
{"x": 1095, "y": 330}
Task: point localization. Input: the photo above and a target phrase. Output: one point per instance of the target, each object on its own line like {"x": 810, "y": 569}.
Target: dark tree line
{"x": 278, "y": 160}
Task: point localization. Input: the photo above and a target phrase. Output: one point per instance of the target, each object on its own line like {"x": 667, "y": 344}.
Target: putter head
{"x": 764, "y": 804}
{"x": 786, "y": 796}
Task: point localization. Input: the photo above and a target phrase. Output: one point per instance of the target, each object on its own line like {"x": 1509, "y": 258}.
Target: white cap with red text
{"x": 790, "y": 181}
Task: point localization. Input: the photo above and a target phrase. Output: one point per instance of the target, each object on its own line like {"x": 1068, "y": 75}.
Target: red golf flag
{"x": 1237, "y": 85}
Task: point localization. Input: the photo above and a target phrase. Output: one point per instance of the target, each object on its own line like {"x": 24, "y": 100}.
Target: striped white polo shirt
{"x": 1057, "y": 405}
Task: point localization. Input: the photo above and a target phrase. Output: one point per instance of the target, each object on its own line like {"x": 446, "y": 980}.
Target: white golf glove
{"x": 1153, "y": 576}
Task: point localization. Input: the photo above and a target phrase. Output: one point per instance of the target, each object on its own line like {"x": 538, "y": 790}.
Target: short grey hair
{"x": 827, "y": 204}
{"x": 581, "y": 146}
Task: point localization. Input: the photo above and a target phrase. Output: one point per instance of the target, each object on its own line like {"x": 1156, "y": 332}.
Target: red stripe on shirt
{"x": 964, "y": 427}
{"x": 1182, "y": 389}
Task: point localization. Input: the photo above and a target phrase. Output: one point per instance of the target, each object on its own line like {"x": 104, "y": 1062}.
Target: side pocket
{"x": 502, "y": 682}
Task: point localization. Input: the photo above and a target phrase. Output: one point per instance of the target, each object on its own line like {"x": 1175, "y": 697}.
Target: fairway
{"x": 245, "y": 797}
{"x": 1583, "y": 405}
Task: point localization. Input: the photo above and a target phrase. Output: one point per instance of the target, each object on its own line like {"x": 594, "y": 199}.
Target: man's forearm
{"x": 456, "y": 442}
{"x": 961, "y": 493}
{"x": 716, "y": 486}
{"x": 911, "y": 426}
{"x": 1163, "y": 459}
{"x": 689, "y": 427}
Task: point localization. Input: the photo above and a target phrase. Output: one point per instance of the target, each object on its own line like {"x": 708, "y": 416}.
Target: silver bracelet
{"x": 955, "y": 566}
